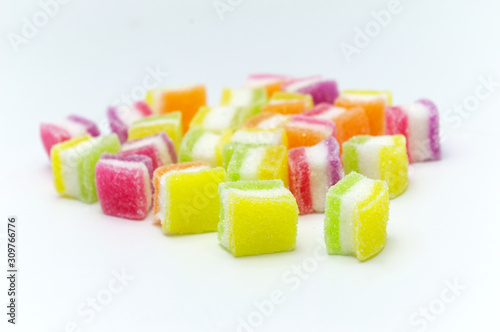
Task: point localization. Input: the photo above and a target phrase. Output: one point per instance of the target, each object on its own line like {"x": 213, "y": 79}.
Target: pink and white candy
{"x": 312, "y": 171}
{"x": 419, "y": 123}
{"x": 71, "y": 127}
{"x": 160, "y": 148}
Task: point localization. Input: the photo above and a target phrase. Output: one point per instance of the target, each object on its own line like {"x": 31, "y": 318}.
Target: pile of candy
{"x": 273, "y": 149}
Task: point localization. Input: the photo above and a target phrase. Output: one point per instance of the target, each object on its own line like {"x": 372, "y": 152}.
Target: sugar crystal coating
{"x": 187, "y": 198}
{"x": 373, "y": 103}
{"x": 307, "y": 131}
{"x": 313, "y": 170}
{"x": 186, "y": 99}
{"x": 121, "y": 117}
{"x": 271, "y": 226}
{"x": 169, "y": 123}
{"x": 124, "y": 186}
{"x": 419, "y": 123}
{"x": 73, "y": 165}
{"x": 159, "y": 147}
{"x": 259, "y": 163}
{"x": 252, "y": 138}
{"x": 203, "y": 145}
{"x": 356, "y": 215}
{"x": 71, "y": 127}
{"x": 349, "y": 123}
{"x": 379, "y": 158}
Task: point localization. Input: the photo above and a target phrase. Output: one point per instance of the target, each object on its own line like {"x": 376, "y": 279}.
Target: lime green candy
{"x": 356, "y": 215}
{"x": 220, "y": 118}
{"x": 244, "y": 97}
{"x": 259, "y": 163}
{"x": 203, "y": 145}
{"x": 252, "y": 137}
{"x": 379, "y": 158}
{"x": 257, "y": 217}
{"x": 73, "y": 165}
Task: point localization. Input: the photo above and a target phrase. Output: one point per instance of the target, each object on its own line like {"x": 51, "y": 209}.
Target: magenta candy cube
{"x": 124, "y": 185}
{"x": 121, "y": 117}
{"x": 321, "y": 90}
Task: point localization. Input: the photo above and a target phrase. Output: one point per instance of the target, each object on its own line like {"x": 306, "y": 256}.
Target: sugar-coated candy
{"x": 374, "y": 104}
{"x": 244, "y": 97}
{"x": 159, "y": 148}
{"x": 379, "y": 158}
{"x": 321, "y": 90}
{"x": 169, "y": 123}
{"x": 187, "y": 100}
{"x": 73, "y": 165}
{"x": 259, "y": 163}
{"x": 267, "y": 120}
{"x": 369, "y": 94}
{"x": 356, "y": 215}
{"x": 188, "y": 198}
{"x": 271, "y": 82}
{"x": 219, "y": 118}
{"x": 121, "y": 117}
{"x": 349, "y": 123}
{"x": 313, "y": 170}
{"x": 71, "y": 127}
{"x": 257, "y": 217}
{"x": 419, "y": 123}
{"x": 203, "y": 145}
{"x": 124, "y": 185}
{"x": 288, "y": 103}
{"x": 158, "y": 174}
{"x": 303, "y": 130}
{"x": 254, "y": 138}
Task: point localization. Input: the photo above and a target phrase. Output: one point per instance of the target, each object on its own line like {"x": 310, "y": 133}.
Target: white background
{"x": 444, "y": 228}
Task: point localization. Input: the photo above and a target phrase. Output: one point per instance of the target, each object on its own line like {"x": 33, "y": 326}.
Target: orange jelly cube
{"x": 186, "y": 99}
{"x": 374, "y": 108}
{"x": 306, "y": 131}
{"x": 349, "y": 123}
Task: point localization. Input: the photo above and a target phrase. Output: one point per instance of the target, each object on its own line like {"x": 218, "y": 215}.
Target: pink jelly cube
{"x": 419, "y": 123}
{"x": 312, "y": 171}
{"x": 71, "y": 127}
{"x": 160, "y": 148}
{"x": 321, "y": 90}
{"x": 124, "y": 185}
{"x": 121, "y": 117}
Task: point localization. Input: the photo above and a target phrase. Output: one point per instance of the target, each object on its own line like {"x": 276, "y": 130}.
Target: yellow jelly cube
{"x": 257, "y": 217}
{"x": 170, "y": 123}
{"x": 356, "y": 215}
{"x": 188, "y": 199}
